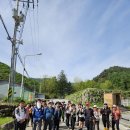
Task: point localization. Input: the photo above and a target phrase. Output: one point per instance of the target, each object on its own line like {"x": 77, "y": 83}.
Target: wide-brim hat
{"x": 114, "y": 106}
{"x": 95, "y": 106}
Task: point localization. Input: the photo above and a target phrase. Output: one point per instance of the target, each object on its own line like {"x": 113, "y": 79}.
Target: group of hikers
{"x": 44, "y": 115}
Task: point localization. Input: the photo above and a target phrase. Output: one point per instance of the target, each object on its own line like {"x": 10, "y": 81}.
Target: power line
{"x": 23, "y": 65}
{"x": 9, "y": 38}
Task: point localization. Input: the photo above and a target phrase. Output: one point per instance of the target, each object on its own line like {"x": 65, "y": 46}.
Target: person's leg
{"x": 34, "y": 125}
{"x": 117, "y": 124}
{"x": 15, "y": 125}
{"x": 22, "y": 126}
{"x": 104, "y": 123}
{"x": 97, "y": 123}
{"x": 39, "y": 124}
{"x": 108, "y": 124}
{"x": 58, "y": 122}
{"x": 73, "y": 123}
{"x": 91, "y": 125}
{"x": 54, "y": 127}
{"x": 62, "y": 115}
{"x": 67, "y": 121}
{"x": 45, "y": 125}
{"x": 113, "y": 124}
{"x": 82, "y": 125}
{"x": 94, "y": 124}
{"x": 51, "y": 125}
{"x": 87, "y": 124}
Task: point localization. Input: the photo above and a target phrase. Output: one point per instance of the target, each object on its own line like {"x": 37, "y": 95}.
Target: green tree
{"x": 64, "y": 87}
{"x": 49, "y": 87}
{"x": 106, "y": 85}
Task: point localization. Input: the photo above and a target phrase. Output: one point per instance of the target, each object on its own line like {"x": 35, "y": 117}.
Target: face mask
{"x": 105, "y": 106}
{"x": 38, "y": 105}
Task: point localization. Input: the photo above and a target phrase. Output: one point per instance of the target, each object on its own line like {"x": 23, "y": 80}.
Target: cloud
{"x": 81, "y": 37}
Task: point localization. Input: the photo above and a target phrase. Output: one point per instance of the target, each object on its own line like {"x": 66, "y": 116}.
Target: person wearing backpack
{"x": 37, "y": 113}
{"x": 105, "y": 112}
{"x": 20, "y": 114}
{"x": 49, "y": 116}
{"x": 57, "y": 116}
{"x": 116, "y": 116}
{"x": 88, "y": 112}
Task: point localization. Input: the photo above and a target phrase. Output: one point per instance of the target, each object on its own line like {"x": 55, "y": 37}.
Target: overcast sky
{"x": 81, "y": 37}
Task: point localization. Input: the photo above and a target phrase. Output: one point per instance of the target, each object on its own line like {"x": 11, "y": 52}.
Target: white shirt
{"x": 21, "y": 114}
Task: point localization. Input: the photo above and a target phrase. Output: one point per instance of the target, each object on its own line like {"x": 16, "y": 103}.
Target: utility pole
{"x": 19, "y": 18}
{"x": 13, "y": 55}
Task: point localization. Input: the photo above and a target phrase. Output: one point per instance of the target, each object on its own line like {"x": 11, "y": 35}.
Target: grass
{"x": 4, "y": 120}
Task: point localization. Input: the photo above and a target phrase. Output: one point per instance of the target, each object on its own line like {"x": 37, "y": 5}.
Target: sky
{"x": 81, "y": 37}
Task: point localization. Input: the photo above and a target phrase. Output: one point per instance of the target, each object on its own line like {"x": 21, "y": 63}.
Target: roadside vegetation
{"x": 4, "y": 120}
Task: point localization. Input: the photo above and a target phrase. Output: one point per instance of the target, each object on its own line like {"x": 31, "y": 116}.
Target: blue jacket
{"x": 38, "y": 114}
{"x": 49, "y": 113}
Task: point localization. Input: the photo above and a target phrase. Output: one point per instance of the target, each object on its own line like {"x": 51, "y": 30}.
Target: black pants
{"x": 20, "y": 126}
{"x": 48, "y": 123}
{"x": 73, "y": 120}
{"x": 56, "y": 124}
{"x": 96, "y": 123}
{"x": 89, "y": 124}
{"x": 115, "y": 122}
{"x": 63, "y": 114}
{"x": 106, "y": 122}
{"x": 31, "y": 118}
{"x": 67, "y": 119}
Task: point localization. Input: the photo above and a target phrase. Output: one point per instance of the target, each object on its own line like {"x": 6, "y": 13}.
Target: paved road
{"x": 63, "y": 127}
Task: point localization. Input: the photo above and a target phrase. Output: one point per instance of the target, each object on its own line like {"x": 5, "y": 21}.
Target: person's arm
{"x": 33, "y": 112}
{"x": 60, "y": 113}
{"x": 17, "y": 115}
{"x": 44, "y": 114}
{"x": 85, "y": 112}
{"x": 78, "y": 113}
{"x": 101, "y": 111}
{"x": 92, "y": 112}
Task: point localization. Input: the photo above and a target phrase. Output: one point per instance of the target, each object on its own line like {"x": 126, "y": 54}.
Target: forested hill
{"x": 119, "y": 77}
{"x": 4, "y": 75}
{"x": 114, "y": 78}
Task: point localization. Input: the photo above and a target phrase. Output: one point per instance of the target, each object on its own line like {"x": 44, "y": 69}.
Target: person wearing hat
{"x": 49, "y": 116}
{"x": 57, "y": 116}
{"x": 81, "y": 117}
{"x": 105, "y": 112}
{"x": 73, "y": 116}
{"x": 116, "y": 115}
{"x": 38, "y": 114}
{"x": 20, "y": 114}
{"x": 96, "y": 116}
{"x": 63, "y": 111}
{"x": 88, "y": 112}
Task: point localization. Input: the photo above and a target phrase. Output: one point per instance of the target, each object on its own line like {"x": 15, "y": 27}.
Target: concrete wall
{"x": 125, "y": 102}
{"x": 28, "y": 95}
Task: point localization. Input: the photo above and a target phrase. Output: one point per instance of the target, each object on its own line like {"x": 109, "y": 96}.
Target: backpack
{"x": 13, "y": 113}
